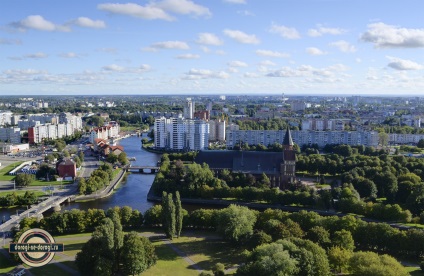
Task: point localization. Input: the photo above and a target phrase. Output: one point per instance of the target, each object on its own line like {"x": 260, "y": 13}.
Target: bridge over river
{"x": 143, "y": 169}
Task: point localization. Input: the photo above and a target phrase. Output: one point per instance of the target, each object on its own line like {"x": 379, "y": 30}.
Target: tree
{"x": 235, "y": 223}
{"x": 178, "y": 214}
{"x": 96, "y": 256}
{"x": 23, "y": 179}
{"x": 319, "y": 235}
{"x": 343, "y": 239}
{"x": 421, "y": 144}
{"x": 168, "y": 214}
{"x": 122, "y": 158}
{"x": 370, "y": 263}
{"x": 218, "y": 269}
{"x": 383, "y": 139}
{"x": 269, "y": 259}
{"x": 339, "y": 258}
{"x": 135, "y": 257}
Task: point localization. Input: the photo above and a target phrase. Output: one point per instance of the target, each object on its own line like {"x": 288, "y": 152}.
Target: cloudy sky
{"x": 212, "y": 47}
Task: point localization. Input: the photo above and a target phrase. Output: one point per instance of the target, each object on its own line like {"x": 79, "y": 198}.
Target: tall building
{"x": 216, "y": 130}
{"x": 188, "y": 109}
{"x": 10, "y": 134}
{"x": 181, "y": 134}
{"x": 38, "y": 133}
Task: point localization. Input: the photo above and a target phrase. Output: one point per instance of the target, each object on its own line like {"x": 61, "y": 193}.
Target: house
{"x": 278, "y": 166}
{"x": 66, "y": 168}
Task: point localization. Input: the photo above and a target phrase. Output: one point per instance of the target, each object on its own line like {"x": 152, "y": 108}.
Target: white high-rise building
{"x": 216, "y": 130}
{"x": 188, "y": 109}
{"x": 181, "y": 134}
{"x": 5, "y": 118}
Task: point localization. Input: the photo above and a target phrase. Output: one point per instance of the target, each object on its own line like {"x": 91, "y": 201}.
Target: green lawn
{"x": 206, "y": 252}
{"x": 48, "y": 183}
{"x": 4, "y": 171}
{"x": 20, "y": 192}
{"x": 5, "y": 264}
{"x": 414, "y": 271}
{"x": 47, "y": 270}
{"x": 169, "y": 263}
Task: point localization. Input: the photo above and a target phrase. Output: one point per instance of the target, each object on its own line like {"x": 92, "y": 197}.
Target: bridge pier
{"x": 56, "y": 208}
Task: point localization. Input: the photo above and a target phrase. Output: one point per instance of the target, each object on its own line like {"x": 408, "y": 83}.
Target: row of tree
{"x": 100, "y": 178}
{"x": 13, "y": 199}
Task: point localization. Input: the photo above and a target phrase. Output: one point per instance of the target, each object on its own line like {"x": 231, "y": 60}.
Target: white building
{"x": 111, "y": 130}
{"x": 37, "y": 133}
{"x": 397, "y": 138}
{"x": 188, "y": 109}
{"x": 216, "y": 130}
{"x": 322, "y": 124}
{"x": 5, "y": 118}
{"x": 322, "y": 138}
{"x": 181, "y": 134}
{"x": 10, "y": 134}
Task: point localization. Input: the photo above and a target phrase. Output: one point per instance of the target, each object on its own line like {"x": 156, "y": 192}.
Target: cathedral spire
{"x": 288, "y": 141}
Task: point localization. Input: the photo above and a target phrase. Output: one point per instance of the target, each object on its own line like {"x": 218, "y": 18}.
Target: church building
{"x": 278, "y": 166}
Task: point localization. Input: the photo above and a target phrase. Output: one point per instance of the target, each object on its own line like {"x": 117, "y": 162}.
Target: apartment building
{"x": 10, "y": 134}
{"x": 39, "y": 132}
{"x": 322, "y": 124}
{"x": 181, "y": 134}
{"x": 111, "y": 130}
{"x": 322, "y": 138}
{"x": 216, "y": 130}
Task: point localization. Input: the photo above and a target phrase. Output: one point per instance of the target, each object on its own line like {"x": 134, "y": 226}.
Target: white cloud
{"x": 403, "y": 64}
{"x": 343, "y": 46}
{"x": 24, "y": 72}
{"x": 148, "y": 12}
{"x": 120, "y": 69}
{"x": 188, "y": 56}
{"x": 267, "y": 63}
{"x": 10, "y": 41}
{"x": 113, "y": 67}
{"x": 180, "y": 45}
{"x": 69, "y": 55}
{"x": 36, "y": 55}
{"x": 37, "y": 22}
{"x": 235, "y": 1}
{"x": 196, "y": 74}
{"x": 182, "y": 7}
{"x": 268, "y": 53}
{"x": 389, "y": 36}
{"x": 319, "y": 31}
{"x": 89, "y": 23}
{"x": 286, "y": 32}
{"x": 245, "y": 13}
{"x": 237, "y": 63}
{"x": 315, "y": 51}
{"x": 209, "y": 39}
{"x": 108, "y": 50}
{"x": 220, "y": 52}
{"x": 326, "y": 74}
{"x": 241, "y": 36}
{"x": 251, "y": 75}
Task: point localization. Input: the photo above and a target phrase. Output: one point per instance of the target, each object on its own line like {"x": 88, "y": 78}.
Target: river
{"x": 133, "y": 191}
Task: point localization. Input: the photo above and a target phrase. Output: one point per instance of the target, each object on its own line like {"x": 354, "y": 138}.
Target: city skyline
{"x": 179, "y": 47}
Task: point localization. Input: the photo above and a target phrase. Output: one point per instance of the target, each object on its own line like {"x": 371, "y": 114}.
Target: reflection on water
{"x": 132, "y": 192}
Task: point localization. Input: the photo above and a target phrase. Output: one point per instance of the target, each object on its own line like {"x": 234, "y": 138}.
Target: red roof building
{"x": 66, "y": 168}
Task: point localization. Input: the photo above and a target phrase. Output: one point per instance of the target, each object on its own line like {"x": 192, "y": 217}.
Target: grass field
{"x": 4, "y": 171}
{"x": 48, "y": 183}
{"x": 20, "y": 192}
{"x": 204, "y": 248}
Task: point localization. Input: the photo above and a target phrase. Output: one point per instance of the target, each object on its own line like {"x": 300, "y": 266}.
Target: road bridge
{"x": 143, "y": 169}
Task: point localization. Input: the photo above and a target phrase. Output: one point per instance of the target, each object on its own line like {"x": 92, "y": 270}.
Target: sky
{"x": 296, "y": 47}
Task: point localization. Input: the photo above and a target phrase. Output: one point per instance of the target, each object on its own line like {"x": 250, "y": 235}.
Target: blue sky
{"x": 212, "y": 47}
